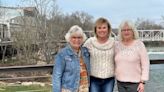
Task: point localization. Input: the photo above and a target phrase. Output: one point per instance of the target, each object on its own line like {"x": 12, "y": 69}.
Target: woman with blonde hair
{"x": 101, "y": 48}
{"x": 131, "y": 59}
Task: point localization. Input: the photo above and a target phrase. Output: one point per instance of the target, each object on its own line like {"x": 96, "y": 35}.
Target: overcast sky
{"x": 114, "y": 10}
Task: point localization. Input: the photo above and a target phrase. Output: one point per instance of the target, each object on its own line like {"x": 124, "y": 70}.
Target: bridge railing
{"x": 41, "y": 68}
{"x": 151, "y": 35}
{"x": 144, "y": 35}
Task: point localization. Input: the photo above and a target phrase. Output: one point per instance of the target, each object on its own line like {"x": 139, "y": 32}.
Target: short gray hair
{"x": 75, "y": 29}
{"x": 131, "y": 25}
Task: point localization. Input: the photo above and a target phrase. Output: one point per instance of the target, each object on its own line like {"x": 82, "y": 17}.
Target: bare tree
{"x": 147, "y": 24}
{"x": 61, "y": 23}
{"x": 76, "y": 18}
{"x": 83, "y": 19}
{"x": 44, "y": 32}
{"x": 24, "y": 37}
{"x": 44, "y": 36}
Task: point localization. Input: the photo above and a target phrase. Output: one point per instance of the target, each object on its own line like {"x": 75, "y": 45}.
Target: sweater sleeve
{"x": 145, "y": 63}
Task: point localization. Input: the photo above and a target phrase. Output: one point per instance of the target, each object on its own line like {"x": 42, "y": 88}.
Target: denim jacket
{"x": 66, "y": 71}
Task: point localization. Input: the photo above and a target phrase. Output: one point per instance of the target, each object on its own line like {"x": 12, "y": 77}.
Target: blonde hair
{"x": 100, "y": 21}
{"x": 75, "y": 29}
{"x": 131, "y": 25}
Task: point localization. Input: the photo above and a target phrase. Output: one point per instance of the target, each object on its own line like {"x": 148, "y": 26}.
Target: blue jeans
{"x": 102, "y": 85}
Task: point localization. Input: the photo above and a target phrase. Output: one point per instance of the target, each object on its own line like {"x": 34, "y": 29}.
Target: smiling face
{"x": 76, "y": 41}
{"x": 102, "y": 28}
{"x": 127, "y": 32}
{"x": 102, "y": 31}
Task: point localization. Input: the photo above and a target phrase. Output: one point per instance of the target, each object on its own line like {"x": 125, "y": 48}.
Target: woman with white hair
{"x": 131, "y": 60}
{"x": 71, "y": 68}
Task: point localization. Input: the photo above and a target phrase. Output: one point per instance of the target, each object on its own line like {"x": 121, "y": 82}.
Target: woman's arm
{"x": 145, "y": 63}
{"x": 57, "y": 73}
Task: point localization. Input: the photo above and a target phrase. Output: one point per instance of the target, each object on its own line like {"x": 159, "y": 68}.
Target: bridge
{"x": 144, "y": 35}
{"x": 151, "y": 35}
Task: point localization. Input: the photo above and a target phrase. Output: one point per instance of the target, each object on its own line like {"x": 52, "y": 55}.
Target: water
{"x": 156, "y": 80}
{"x": 155, "y": 49}
{"x": 156, "y": 55}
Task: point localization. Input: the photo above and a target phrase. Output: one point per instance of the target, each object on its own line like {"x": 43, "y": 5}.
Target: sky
{"x": 114, "y": 10}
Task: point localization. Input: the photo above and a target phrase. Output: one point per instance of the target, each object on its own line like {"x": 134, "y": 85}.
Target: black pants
{"x": 127, "y": 86}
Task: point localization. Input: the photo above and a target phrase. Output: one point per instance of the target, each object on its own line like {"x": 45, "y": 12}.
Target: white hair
{"x": 75, "y": 30}
{"x": 131, "y": 25}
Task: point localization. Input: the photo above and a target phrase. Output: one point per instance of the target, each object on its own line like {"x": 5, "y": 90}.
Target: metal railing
{"x": 28, "y": 68}
{"x": 34, "y": 68}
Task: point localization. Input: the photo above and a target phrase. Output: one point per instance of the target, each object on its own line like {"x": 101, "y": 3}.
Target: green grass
{"x": 32, "y": 88}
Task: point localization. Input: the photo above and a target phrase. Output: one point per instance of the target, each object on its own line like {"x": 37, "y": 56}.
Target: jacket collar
{"x": 70, "y": 50}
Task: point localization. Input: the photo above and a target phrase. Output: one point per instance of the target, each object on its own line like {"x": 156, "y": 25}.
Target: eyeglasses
{"x": 123, "y": 30}
{"x": 76, "y": 37}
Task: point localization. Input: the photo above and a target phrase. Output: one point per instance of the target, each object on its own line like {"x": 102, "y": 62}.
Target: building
{"x": 7, "y": 13}
{"x": 14, "y": 18}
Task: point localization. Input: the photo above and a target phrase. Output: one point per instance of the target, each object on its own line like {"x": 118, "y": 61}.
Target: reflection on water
{"x": 155, "y": 49}
{"x": 156, "y": 81}
{"x": 156, "y": 55}
{"x": 157, "y": 66}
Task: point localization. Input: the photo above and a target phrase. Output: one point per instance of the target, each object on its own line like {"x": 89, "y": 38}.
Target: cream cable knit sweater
{"x": 102, "y": 57}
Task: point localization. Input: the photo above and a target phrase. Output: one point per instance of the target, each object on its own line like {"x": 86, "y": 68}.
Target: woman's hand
{"x": 140, "y": 87}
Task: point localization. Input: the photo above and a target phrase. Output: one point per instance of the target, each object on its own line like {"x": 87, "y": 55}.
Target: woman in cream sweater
{"x": 101, "y": 57}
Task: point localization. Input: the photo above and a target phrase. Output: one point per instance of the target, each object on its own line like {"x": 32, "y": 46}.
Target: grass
{"x": 31, "y": 88}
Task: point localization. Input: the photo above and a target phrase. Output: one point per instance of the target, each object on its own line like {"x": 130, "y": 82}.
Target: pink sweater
{"x": 132, "y": 62}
